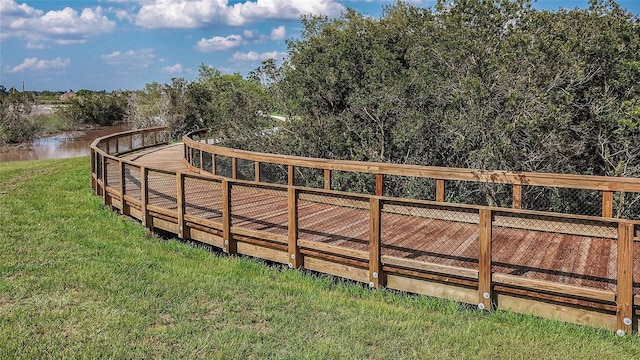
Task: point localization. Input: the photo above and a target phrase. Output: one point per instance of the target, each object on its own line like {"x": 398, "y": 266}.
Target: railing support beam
{"x": 376, "y": 278}
{"x": 484, "y": 261}
{"x": 295, "y": 258}
{"x": 624, "y": 299}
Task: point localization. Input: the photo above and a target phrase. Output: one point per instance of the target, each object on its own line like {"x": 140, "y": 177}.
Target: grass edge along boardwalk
{"x": 78, "y": 281}
{"x": 483, "y": 255}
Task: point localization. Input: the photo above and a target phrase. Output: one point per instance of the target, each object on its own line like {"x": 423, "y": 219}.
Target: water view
{"x": 65, "y": 145}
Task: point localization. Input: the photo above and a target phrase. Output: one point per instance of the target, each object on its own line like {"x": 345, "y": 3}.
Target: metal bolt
{"x": 224, "y": 250}
{"x": 371, "y": 284}
{"x": 375, "y": 275}
{"x": 290, "y": 265}
{"x": 486, "y": 295}
{"x": 226, "y": 242}
{"x": 620, "y": 332}
{"x": 181, "y": 228}
{"x": 481, "y": 306}
{"x": 627, "y": 321}
{"x": 293, "y": 256}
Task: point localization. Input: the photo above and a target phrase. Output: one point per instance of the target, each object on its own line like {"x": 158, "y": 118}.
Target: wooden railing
{"x": 379, "y": 239}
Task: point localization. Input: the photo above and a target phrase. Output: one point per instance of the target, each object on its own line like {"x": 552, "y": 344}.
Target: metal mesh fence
{"x": 562, "y": 200}
{"x": 559, "y": 250}
{"x": 99, "y": 161}
{"x": 246, "y": 169}
{"x": 136, "y": 141}
{"x": 162, "y": 136}
{"x": 123, "y": 144}
{"x": 334, "y": 220}
{"x": 626, "y": 205}
{"x": 410, "y": 187}
{"x": 636, "y": 261}
{"x": 479, "y": 193}
{"x": 162, "y": 190}
{"x": 207, "y": 162}
{"x": 430, "y": 233}
{"x": 149, "y": 139}
{"x": 203, "y": 198}
{"x": 113, "y": 174}
{"x": 273, "y": 173}
{"x": 132, "y": 181}
{"x": 195, "y": 158}
{"x": 308, "y": 177}
{"x": 259, "y": 209}
{"x": 223, "y": 166}
{"x": 361, "y": 183}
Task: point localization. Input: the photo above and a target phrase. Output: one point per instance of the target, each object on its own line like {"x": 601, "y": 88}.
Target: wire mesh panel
{"x": 559, "y": 250}
{"x": 112, "y": 146}
{"x": 411, "y": 187}
{"x": 195, "y": 158}
{"x": 479, "y": 193}
{"x": 259, "y": 208}
{"x": 223, "y": 166}
{"x": 308, "y": 177}
{"x": 636, "y": 261}
{"x": 562, "y": 200}
{"x": 246, "y": 169}
{"x": 203, "y": 198}
{"x": 434, "y": 234}
{"x": 162, "y": 190}
{"x": 123, "y": 144}
{"x": 149, "y": 139}
{"x": 113, "y": 174}
{"x": 207, "y": 162}
{"x": 334, "y": 219}
{"x": 162, "y": 136}
{"x": 136, "y": 141}
{"x": 361, "y": 183}
{"x": 626, "y": 205}
{"x": 99, "y": 162}
{"x": 273, "y": 173}
{"x": 132, "y": 181}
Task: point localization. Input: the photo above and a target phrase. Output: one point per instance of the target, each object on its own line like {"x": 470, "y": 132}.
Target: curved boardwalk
{"x": 554, "y": 265}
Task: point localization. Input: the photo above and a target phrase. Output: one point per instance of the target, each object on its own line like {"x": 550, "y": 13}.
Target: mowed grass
{"x": 78, "y": 281}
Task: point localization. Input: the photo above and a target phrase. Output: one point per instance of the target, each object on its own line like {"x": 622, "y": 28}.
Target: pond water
{"x": 64, "y": 145}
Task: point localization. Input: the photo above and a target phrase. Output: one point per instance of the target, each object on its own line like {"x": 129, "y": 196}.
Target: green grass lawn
{"x": 78, "y": 281}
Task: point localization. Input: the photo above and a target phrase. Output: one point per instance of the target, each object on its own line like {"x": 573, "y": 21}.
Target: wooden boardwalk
{"x": 534, "y": 262}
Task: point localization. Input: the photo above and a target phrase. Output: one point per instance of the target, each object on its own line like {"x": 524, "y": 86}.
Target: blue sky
{"x": 125, "y": 44}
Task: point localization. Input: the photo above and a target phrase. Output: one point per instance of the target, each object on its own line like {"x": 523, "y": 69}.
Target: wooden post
{"x": 94, "y": 176}
{"x": 295, "y": 259}
{"x": 290, "y": 179}
{"x": 130, "y": 142}
{"x": 440, "y": 190}
{"x": 484, "y": 260}
{"x": 144, "y": 197}
{"x": 122, "y": 189}
{"x": 201, "y": 161}
{"x": 257, "y": 170}
{"x": 104, "y": 179}
{"x": 327, "y": 179}
{"x": 624, "y": 300}
{"x": 517, "y": 196}
{"x": 230, "y": 246}
{"x": 379, "y": 184}
{"x": 180, "y": 203}
{"x": 607, "y": 204}
{"x": 234, "y": 168}
{"x": 213, "y": 164}
{"x": 375, "y": 265}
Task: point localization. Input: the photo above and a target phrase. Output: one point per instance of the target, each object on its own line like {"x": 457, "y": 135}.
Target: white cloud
{"x": 249, "y": 34}
{"x": 175, "y": 69}
{"x": 65, "y": 26}
{"x": 30, "y": 64}
{"x": 132, "y": 58}
{"x": 203, "y": 13}
{"x": 279, "y": 33}
{"x": 254, "y": 56}
{"x": 218, "y": 43}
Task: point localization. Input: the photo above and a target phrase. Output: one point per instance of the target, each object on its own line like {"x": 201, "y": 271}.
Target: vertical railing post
{"x": 484, "y": 260}
{"x": 94, "y": 175}
{"x": 230, "y": 246}
{"x": 439, "y": 190}
{"x": 213, "y": 164}
{"x": 180, "y": 203}
{"x": 624, "y": 299}
{"x": 290, "y": 179}
{"x": 327, "y": 179}
{"x": 607, "y": 204}
{"x": 144, "y": 197}
{"x": 234, "y": 168}
{"x": 295, "y": 259}
{"x": 256, "y": 170}
{"x": 104, "y": 179}
{"x": 379, "y": 184}
{"x": 201, "y": 161}
{"x": 375, "y": 265}
{"x": 517, "y": 196}
{"x": 130, "y": 142}
{"x": 122, "y": 187}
